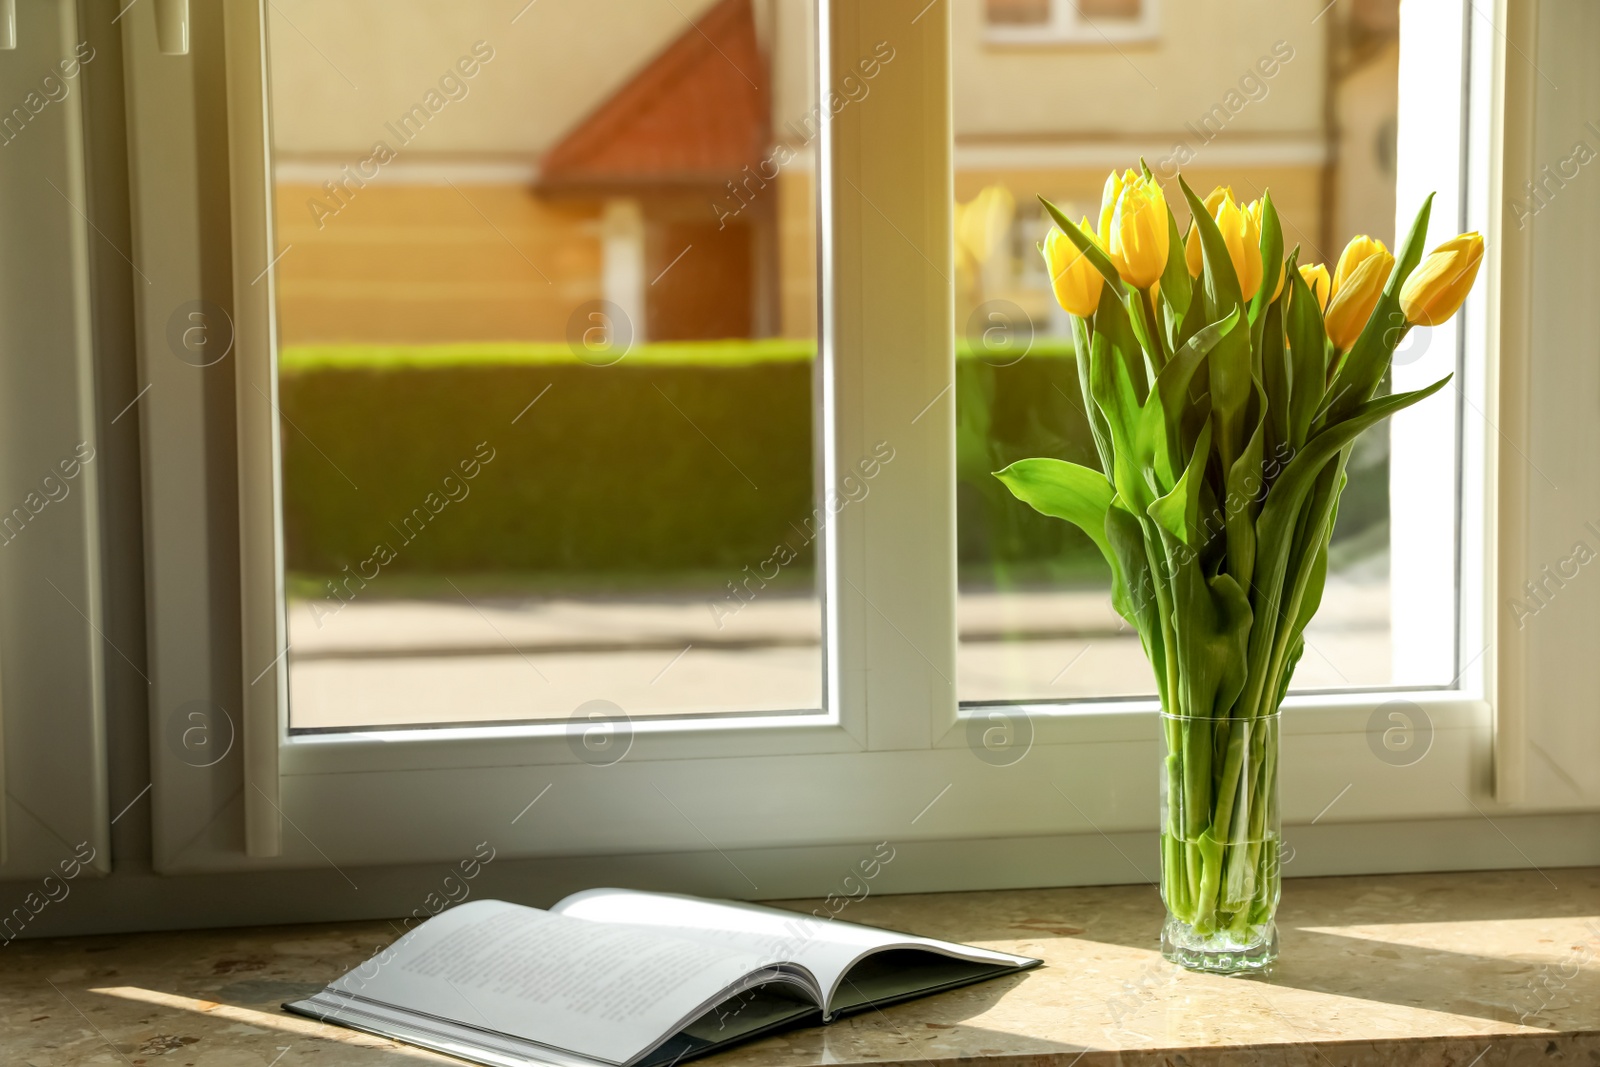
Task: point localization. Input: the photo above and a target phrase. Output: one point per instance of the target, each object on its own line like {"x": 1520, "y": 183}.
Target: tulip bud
{"x": 1355, "y": 253}
{"x": 1316, "y": 276}
{"x": 1194, "y": 256}
{"x": 1255, "y": 211}
{"x": 1354, "y": 300}
{"x": 1108, "y": 202}
{"x": 1137, "y": 240}
{"x": 1436, "y": 289}
{"x": 1076, "y": 281}
{"x": 1242, "y": 234}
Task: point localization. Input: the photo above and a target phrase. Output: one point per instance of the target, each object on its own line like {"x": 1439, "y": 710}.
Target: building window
{"x": 1068, "y": 21}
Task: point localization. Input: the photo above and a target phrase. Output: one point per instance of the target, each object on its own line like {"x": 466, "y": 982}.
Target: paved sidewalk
{"x": 379, "y": 662}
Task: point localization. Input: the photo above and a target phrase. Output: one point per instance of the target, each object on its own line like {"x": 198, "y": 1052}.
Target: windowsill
{"x": 1439, "y": 965}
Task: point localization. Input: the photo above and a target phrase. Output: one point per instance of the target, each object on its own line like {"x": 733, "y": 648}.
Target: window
{"x": 1248, "y": 108}
{"x": 546, "y": 367}
{"x": 866, "y": 737}
{"x": 1069, "y": 21}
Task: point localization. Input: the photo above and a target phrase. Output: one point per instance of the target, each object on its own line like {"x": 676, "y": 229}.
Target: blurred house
{"x": 661, "y": 156}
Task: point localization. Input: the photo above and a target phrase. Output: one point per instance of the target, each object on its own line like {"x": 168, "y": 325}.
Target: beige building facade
{"x": 478, "y": 205}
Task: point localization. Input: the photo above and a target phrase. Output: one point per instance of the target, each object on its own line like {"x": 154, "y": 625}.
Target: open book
{"x": 611, "y": 976}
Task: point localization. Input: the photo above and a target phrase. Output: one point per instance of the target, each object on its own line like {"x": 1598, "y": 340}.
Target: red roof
{"x": 696, "y": 114}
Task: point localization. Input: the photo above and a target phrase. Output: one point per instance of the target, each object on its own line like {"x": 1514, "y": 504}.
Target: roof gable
{"x": 696, "y": 114}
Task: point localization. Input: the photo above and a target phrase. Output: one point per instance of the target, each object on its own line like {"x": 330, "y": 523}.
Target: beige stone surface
{"x": 1441, "y": 969}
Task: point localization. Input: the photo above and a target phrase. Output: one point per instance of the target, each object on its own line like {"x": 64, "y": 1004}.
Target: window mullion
{"x": 888, "y": 331}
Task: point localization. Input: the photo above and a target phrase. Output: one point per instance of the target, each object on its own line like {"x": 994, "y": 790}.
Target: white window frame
{"x": 57, "y": 664}
{"x": 892, "y": 756}
{"x": 1068, "y": 24}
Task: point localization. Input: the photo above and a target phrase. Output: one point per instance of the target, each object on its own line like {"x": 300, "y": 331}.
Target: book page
{"x": 825, "y": 947}
{"x": 600, "y": 990}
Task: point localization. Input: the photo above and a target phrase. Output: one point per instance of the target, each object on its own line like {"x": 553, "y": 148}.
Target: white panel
{"x": 178, "y": 183}
{"x": 264, "y": 641}
{"x": 1557, "y": 617}
{"x": 889, "y": 339}
{"x": 53, "y": 658}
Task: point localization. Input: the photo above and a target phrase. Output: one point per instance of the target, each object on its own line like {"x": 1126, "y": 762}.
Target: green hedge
{"x": 682, "y": 459}
{"x": 612, "y": 470}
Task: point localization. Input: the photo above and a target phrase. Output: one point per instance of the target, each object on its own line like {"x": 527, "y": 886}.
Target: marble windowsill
{"x": 1446, "y": 969}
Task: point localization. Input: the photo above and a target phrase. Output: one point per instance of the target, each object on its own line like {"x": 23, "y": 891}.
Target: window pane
{"x": 1017, "y": 12}
{"x": 1111, "y": 9}
{"x": 1248, "y": 104}
{"x": 547, "y": 307}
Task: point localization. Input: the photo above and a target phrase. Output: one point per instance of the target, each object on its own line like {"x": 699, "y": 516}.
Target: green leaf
{"x": 1317, "y": 577}
{"x": 1177, "y": 512}
{"x": 1212, "y": 636}
{"x": 1275, "y": 374}
{"x": 1280, "y": 514}
{"x": 1064, "y": 490}
{"x": 1245, "y": 483}
{"x": 1221, "y": 282}
{"x": 1229, "y": 370}
{"x": 1180, "y": 332}
{"x": 1177, "y": 287}
{"x": 1271, "y": 257}
{"x": 1112, "y": 388}
{"x": 1083, "y": 357}
{"x": 1084, "y": 244}
{"x": 1161, "y": 420}
{"x": 1133, "y": 591}
{"x": 1111, "y": 321}
{"x": 1308, "y": 569}
{"x": 1308, "y": 370}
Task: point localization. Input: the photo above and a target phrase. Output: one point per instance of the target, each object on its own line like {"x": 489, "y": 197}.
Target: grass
{"x": 300, "y": 359}
{"x": 697, "y": 583}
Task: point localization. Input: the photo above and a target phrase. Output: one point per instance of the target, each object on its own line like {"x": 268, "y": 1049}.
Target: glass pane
{"x": 1017, "y": 12}
{"x": 1111, "y": 9}
{"x": 547, "y": 306}
{"x": 1253, "y": 109}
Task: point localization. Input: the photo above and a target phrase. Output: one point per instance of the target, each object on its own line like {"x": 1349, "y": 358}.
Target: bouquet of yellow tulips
{"x": 1224, "y": 385}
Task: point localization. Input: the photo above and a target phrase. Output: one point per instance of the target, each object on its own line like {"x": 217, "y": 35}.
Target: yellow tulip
{"x": 1193, "y": 254}
{"x": 1255, "y": 210}
{"x": 1242, "y": 234}
{"x": 1436, "y": 289}
{"x": 1076, "y": 281}
{"x": 1108, "y": 202}
{"x": 1357, "y": 252}
{"x": 1136, "y": 239}
{"x": 1316, "y": 276}
{"x": 982, "y": 221}
{"x": 1354, "y": 300}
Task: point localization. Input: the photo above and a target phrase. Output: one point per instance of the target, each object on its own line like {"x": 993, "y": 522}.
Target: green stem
{"x": 1262, "y": 688}
{"x": 1153, "y": 324}
{"x": 1159, "y": 577}
{"x": 1228, "y": 782}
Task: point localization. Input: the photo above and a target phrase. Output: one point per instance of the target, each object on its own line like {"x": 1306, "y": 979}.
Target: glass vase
{"x": 1220, "y": 842}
